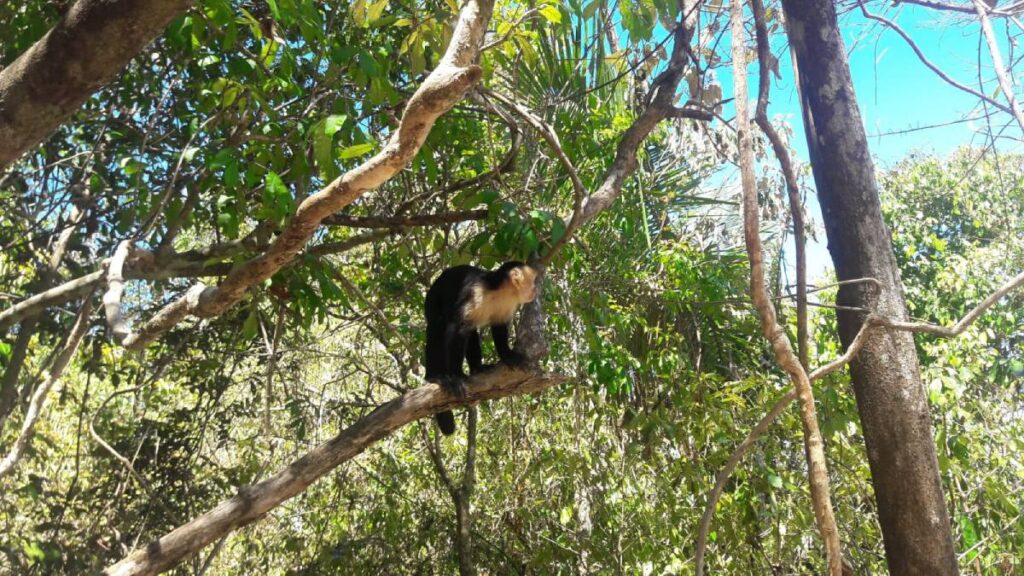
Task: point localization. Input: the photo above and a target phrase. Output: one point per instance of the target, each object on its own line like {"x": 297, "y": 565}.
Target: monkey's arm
{"x": 509, "y": 356}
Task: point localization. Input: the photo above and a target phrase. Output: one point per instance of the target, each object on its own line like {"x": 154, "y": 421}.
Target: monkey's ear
{"x": 516, "y": 275}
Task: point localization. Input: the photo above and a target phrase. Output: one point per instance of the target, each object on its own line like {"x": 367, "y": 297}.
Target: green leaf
{"x": 551, "y": 14}
{"x": 355, "y": 151}
{"x": 333, "y": 123}
{"x": 775, "y": 481}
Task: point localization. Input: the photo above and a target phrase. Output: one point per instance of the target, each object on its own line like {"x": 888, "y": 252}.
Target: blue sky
{"x": 895, "y": 91}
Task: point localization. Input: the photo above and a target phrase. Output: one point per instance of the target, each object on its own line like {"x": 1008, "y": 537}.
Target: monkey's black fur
{"x": 452, "y": 338}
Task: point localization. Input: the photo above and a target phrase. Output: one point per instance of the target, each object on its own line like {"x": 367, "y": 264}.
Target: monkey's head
{"x": 521, "y": 279}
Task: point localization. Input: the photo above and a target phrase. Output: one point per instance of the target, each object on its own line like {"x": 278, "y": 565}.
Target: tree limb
{"x": 813, "y": 444}
{"x": 1005, "y": 84}
{"x": 91, "y": 43}
{"x": 254, "y": 501}
{"x": 441, "y": 90}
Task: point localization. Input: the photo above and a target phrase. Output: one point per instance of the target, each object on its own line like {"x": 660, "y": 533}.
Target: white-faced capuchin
{"x": 461, "y": 301}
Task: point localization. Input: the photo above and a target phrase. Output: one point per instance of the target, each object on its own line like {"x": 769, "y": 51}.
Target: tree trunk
{"x": 886, "y": 376}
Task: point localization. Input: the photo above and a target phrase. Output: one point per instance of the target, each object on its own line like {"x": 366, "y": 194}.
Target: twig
{"x": 997, "y": 62}
{"x": 35, "y": 408}
{"x": 924, "y": 59}
{"x": 579, "y": 190}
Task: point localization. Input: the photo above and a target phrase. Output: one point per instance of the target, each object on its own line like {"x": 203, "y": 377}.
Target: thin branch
{"x": 924, "y": 59}
{"x": 254, "y": 501}
{"x": 579, "y": 190}
{"x": 813, "y": 444}
{"x": 997, "y": 62}
{"x": 511, "y": 29}
{"x": 730, "y": 466}
{"x": 789, "y": 175}
{"x": 404, "y": 221}
{"x": 35, "y": 408}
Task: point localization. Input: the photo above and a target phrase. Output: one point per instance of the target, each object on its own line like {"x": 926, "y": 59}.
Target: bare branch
{"x": 730, "y": 466}
{"x": 441, "y": 90}
{"x": 789, "y": 175}
{"x": 404, "y": 221}
{"x": 924, "y": 59}
{"x": 546, "y": 132}
{"x": 997, "y": 62}
{"x": 813, "y": 443}
{"x": 254, "y": 501}
{"x": 115, "y": 287}
{"x": 64, "y": 293}
{"x": 35, "y": 407}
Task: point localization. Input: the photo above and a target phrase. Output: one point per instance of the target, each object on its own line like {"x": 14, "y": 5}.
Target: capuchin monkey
{"x": 461, "y": 301}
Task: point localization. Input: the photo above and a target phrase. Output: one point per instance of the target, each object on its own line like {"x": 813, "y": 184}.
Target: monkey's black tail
{"x": 445, "y": 422}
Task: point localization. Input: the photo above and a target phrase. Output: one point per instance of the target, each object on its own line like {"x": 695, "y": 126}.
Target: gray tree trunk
{"x": 92, "y": 42}
{"x": 886, "y": 376}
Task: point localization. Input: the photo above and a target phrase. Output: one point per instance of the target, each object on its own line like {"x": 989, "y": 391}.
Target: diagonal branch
{"x": 91, "y": 43}
{"x": 441, "y": 90}
{"x": 814, "y": 446}
{"x": 253, "y": 501}
{"x": 35, "y": 408}
{"x": 1005, "y": 84}
{"x": 924, "y": 59}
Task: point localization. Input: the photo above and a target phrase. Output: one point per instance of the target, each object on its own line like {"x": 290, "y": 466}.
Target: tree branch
{"x": 91, "y": 43}
{"x": 924, "y": 59}
{"x": 404, "y": 221}
{"x": 997, "y": 63}
{"x": 254, "y": 501}
{"x": 441, "y": 90}
{"x": 813, "y": 444}
{"x": 35, "y": 408}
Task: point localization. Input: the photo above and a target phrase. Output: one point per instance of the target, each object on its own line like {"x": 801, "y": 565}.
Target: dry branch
{"x": 255, "y": 500}
{"x": 813, "y": 444}
{"x": 789, "y": 175}
{"x": 866, "y": 330}
{"x": 91, "y": 43}
{"x": 1005, "y": 83}
{"x": 35, "y": 407}
{"x": 441, "y": 90}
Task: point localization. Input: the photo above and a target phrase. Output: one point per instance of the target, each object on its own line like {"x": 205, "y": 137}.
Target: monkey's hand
{"x": 515, "y": 360}
{"x": 483, "y": 368}
{"x": 456, "y": 385}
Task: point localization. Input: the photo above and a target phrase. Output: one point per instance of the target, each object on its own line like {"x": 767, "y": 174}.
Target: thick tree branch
{"x": 91, "y": 43}
{"x": 115, "y": 287}
{"x": 814, "y": 446}
{"x": 441, "y": 90}
{"x": 254, "y": 501}
{"x": 192, "y": 264}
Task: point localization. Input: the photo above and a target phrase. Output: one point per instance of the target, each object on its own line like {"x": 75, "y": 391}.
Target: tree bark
{"x": 886, "y": 376}
{"x": 253, "y": 501}
{"x": 91, "y": 43}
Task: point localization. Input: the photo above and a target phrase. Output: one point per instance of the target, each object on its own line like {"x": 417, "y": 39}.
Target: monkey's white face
{"x": 524, "y": 281}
